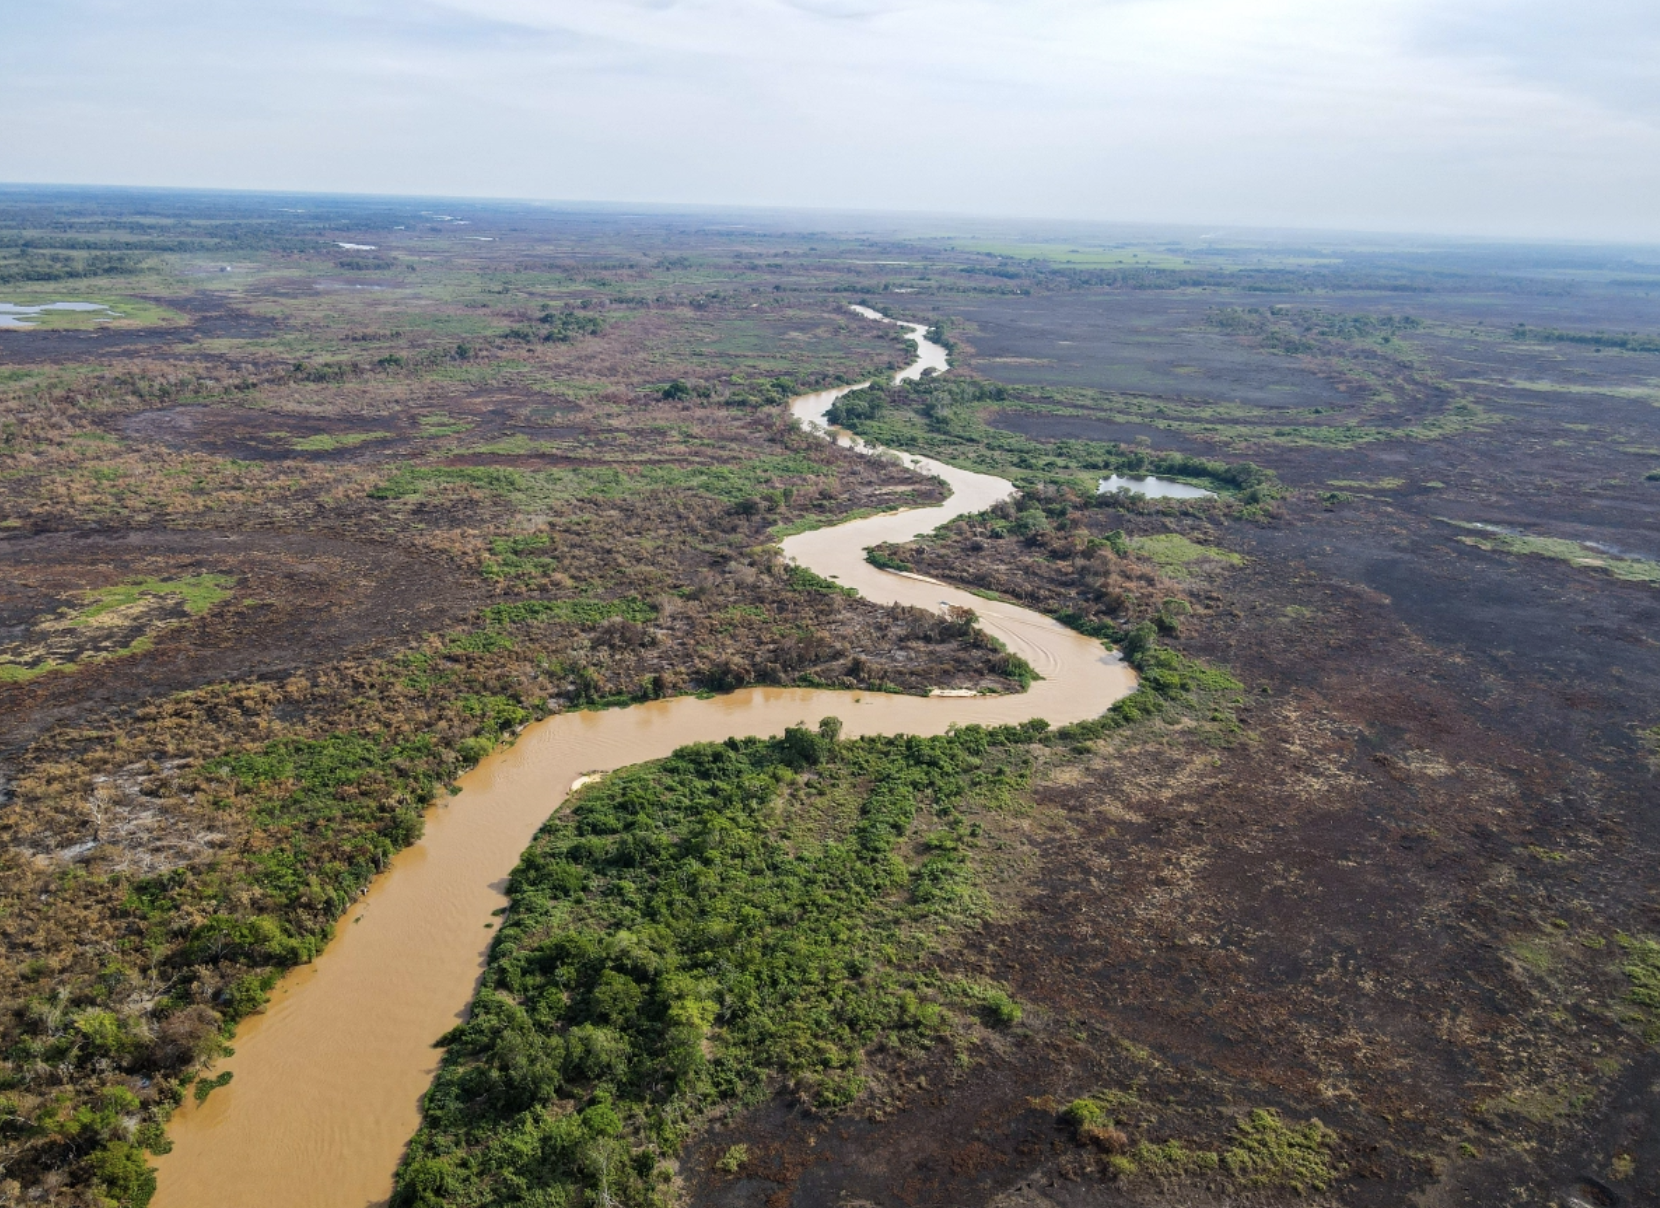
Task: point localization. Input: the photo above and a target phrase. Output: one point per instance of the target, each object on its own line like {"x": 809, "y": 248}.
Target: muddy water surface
{"x": 328, "y": 1080}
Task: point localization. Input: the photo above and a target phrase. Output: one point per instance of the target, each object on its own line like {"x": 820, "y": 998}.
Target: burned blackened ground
{"x": 298, "y": 600}
{"x": 1157, "y": 341}
{"x": 1135, "y": 342}
{"x": 208, "y": 316}
{"x": 1398, "y": 898}
{"x": 1389, "y": 903}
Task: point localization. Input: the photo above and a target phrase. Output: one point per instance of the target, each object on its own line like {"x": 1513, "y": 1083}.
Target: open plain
{"x": 1354, "y": 902}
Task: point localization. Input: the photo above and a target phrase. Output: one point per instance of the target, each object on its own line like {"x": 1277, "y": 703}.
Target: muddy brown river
{"x": 328, "y": 1079}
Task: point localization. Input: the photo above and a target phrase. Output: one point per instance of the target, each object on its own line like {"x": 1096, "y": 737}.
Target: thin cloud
{"x": 1488, "y": 116}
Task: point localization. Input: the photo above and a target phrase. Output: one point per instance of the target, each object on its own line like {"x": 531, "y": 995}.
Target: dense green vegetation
{"x": 695, "y": 931}
{"x": 34, "y": 264}
{"x": 1625, "y": 341}
{"x": 1169, "y": 679}
{"x": 332, "y": 812}
{"x": 351, "y": 802}
{"x": 943, "y": 418}
{"x": 560, "y": 326}
{"x": 802, "y": 579}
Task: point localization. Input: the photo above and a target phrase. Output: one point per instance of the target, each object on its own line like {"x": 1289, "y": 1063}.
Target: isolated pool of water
{"x": 1156, "y": 488}
{"x": 13, "y": 315}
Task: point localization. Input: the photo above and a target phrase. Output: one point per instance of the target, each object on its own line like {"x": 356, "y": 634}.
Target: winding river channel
{"x": 328, "y": 1079}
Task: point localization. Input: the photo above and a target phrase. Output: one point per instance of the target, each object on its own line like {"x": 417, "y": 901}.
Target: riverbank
{"x": 327, "y": 1081}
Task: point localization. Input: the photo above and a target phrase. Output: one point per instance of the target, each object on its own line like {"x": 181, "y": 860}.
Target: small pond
{"x": 13, "y": 315}
{"x": 1156, "y": 488}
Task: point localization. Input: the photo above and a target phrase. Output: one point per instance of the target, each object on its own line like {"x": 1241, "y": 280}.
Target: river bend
{"x": 328, "y": 1079}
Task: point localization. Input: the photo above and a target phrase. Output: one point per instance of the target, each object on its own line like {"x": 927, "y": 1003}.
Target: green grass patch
{"x": 1076, "y": 257}
{"x": 18, "y": 673}
{"x": 517, "y": 557}
{"x": 1265, "y": 1151}
{"x": 1649, "y": 738}
{"x": 480, "y": 642}
{"x": 1642, "y": 969}
{"x": 325, "y": 441}
{"x": 1177, "y": 556}
{"x": 1269, "y": 1152}
{"x": 409, "y": 481}
{"x": 1575, "y": 553}
{"x": 198, "y": 593}
{"x": 440, "y": 424}
{"x": 123, "y": 310}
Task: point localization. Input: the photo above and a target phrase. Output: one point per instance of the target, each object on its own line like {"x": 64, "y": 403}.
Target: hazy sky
{"x": 1504, "y": 117}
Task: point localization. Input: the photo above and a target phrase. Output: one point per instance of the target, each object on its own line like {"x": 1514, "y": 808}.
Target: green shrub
{"x": 885, "y": 561}
{"x": 124, "y": 1175}
{"x": 206, "y": 1086}
{"x": 1016, "y": 668}
{"x": 998, "y": 1008}
{"x": 1268, "y": 1151}
{"x": 800, "y": 578}
{"x": 1084, "y": 1113}
{"x": 1171, "y": 1158}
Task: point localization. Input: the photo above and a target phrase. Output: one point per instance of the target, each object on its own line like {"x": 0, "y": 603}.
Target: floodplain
{"x": 1353, "y": 902}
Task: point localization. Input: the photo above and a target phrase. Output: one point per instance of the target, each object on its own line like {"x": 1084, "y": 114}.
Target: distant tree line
{"x": 1626, "y": 341}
